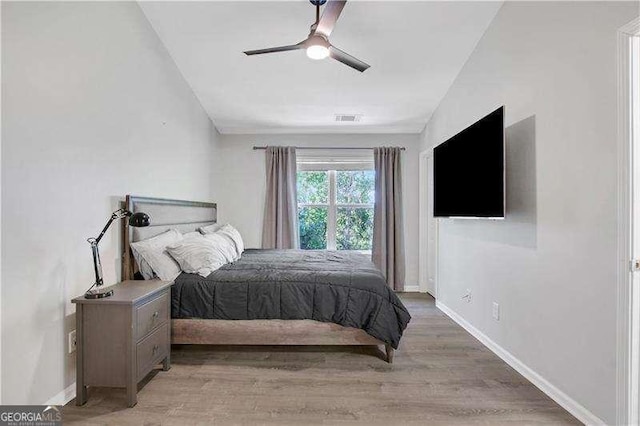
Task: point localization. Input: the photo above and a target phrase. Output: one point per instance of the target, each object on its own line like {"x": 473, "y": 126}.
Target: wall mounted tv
{"x": 468, "y": 171}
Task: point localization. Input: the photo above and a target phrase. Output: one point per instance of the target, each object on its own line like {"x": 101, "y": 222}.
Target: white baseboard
{"x": 64, "y": 396}
{"x": 564, "y": 400}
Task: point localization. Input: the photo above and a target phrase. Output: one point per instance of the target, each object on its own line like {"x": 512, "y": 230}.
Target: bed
{"x": 272, "y": 297}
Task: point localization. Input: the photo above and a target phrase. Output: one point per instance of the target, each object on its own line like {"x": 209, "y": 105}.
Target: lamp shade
{"x": 139, "y": 219}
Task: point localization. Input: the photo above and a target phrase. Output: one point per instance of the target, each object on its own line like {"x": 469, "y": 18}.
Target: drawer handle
{"x": 155, "y": 315}
{"x": 155, "y": 348}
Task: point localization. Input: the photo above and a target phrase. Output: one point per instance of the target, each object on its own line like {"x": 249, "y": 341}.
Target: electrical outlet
{"x": 496, "y": 311}
{"x": 467, "y": 296}
{"x": 71, "y": 344}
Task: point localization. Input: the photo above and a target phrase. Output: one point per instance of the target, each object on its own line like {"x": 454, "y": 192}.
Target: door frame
{"x": 423, "y": 226}
{"x": 628, "y": 360}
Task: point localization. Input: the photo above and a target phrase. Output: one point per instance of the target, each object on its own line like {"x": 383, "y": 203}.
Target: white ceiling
{"x": 415, "y": 50}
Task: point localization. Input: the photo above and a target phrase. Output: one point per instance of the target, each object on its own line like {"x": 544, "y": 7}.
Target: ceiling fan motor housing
{"x": 317, "y": 40}
{"x": 318, "y": 2}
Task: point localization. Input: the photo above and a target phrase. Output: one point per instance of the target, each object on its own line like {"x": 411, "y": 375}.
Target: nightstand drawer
{"x": 152, "y": 350}
{"x": 151, "y": 315}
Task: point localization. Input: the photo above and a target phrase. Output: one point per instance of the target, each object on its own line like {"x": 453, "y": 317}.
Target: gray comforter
{"x": 331, "y": 286}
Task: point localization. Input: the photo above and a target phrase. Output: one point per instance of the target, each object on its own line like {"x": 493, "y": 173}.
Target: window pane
{"x": 355, "y": 186}
{"x": 354, "y": 228}
{"x": 313, "y": 187}
{"x": 313, "y": 228}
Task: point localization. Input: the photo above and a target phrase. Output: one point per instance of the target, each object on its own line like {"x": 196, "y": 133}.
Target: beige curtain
{"x": 388, "y": 235}
{"x": 280, "y": 226}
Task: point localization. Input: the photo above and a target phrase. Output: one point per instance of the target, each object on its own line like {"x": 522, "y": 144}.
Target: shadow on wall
{"x": 519, "y": 226}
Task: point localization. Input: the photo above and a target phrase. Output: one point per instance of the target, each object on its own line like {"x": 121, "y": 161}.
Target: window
{"x": 335, "y": 207}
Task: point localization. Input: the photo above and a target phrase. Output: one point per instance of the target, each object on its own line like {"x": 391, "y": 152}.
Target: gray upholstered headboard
{"x": 185, "y": 216}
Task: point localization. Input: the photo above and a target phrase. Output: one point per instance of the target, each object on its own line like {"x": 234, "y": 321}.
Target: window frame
{"x": 332, "y": 168}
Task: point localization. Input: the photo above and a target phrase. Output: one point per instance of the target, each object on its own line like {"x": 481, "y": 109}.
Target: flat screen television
{"x": 468, "y": 171}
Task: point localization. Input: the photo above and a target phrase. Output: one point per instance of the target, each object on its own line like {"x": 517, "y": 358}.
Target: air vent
{"x": 348, "y": 118}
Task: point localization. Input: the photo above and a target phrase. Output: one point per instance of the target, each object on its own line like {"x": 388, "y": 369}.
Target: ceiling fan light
{"x": 316, "y": 51}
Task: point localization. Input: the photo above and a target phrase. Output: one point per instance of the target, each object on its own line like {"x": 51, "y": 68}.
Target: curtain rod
{"x": 325, "y": 147}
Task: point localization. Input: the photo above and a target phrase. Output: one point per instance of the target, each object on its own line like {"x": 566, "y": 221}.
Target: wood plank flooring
{"x": 440, "y": 375}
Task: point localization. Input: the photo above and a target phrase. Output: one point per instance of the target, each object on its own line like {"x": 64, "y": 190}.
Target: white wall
{"x": 552, "y": 263}
{"x": 240, "y": 181}
{"x": 93, "y": 108}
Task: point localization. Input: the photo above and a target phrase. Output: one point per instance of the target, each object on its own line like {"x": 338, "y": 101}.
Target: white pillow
{"x": 192, "y": 234}
{"x": 223, "y": 244}
{"x": 154, "y": 252}
{"x": 143, "y": 266}
{"x": 197, "y": 255}
{"x": 231, "y": 232}
{"x": 209, "y": 229}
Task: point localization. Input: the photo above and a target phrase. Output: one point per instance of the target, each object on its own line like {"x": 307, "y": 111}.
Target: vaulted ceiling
{"x": 415, "y": 50}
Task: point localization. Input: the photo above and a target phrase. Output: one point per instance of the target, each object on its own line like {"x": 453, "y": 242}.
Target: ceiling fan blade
{"x": 347, "y": 59}
{"x": 274, "y": 49}
{"x": 330, "y": 15}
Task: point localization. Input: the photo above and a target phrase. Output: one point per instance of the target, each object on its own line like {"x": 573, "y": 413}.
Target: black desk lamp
{"x": 138, "y": 219}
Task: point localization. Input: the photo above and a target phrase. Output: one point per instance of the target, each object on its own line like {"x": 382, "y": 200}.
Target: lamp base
{"x": 98, "y": 294}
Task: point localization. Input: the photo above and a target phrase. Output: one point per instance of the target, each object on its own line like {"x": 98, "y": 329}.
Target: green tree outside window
{"x": 335, "y": 209}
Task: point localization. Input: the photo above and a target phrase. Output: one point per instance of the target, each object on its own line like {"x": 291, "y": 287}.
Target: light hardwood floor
{"x": 440, "y": 375}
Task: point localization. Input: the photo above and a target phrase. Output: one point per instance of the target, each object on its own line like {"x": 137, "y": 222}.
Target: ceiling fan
{"x": 317, "y": 43}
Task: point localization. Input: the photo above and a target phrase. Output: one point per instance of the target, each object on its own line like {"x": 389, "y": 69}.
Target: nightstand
{"x": 121, "y": 338}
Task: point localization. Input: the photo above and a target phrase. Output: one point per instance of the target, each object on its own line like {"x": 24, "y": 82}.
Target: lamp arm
{"x": 97, "y": 265}
{"x": 118, "y": 214}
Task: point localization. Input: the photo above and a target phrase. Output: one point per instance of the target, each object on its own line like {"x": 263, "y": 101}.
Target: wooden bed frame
{"x": 230, "y": 332}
